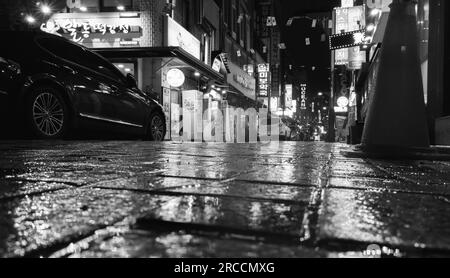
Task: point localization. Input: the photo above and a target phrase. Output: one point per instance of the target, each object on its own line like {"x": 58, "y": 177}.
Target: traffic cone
{"x": 397, "y": 116}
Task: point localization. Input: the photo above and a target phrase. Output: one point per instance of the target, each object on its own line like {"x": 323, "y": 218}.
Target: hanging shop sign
{"x": 288, "y": 96}
{"x": 356, "y": 58}
{"x": 348, "y": 40}
{"x": 242, "y": 81}
{"x": 303, "y": 88}
{"x": 96, "y": 30}
{"x": 176, "y": 35}
{"x": 263, "y": 80}
{"x": 221, "y": 62}
{"x": 175, "y": 78}
{"x": 347, "y": 20}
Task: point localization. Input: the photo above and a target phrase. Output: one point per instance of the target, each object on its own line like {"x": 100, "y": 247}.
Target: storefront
{"x": 167, "y": 66}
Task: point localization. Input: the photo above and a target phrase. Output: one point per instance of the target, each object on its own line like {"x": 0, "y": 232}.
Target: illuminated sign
{"x": 379, "y": 4}
{"x": 347, "y": 19}
{"x": 274, "y": 104}
{"x": 338, "y": 109}
{"x": 94, "y": 31}
{"x": 342, "y": 102}
{"x": 222, "y": 60}
{"x": 176, "y": 35}
{"x": 346, "y": 3}
{"x": 242, "y": 81}
{"x": 303, "y": 88}
{"x": 288, "y": 96}
{"x": 347, "y": 40}
{"x": 225, "y": 61}
{"x": 175, "y": 78}
{"x": 263, "y": 80}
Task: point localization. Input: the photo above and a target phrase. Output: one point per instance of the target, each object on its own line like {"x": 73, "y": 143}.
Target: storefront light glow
{"x": 176, "y": 78}
{"x": 375, "y": 12}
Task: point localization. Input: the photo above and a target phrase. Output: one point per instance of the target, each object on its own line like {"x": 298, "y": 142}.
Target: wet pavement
{"x": 140, "y": 199}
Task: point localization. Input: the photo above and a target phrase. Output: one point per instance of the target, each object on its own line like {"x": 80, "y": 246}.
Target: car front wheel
{"x": 157, "y": 127}
{"x": 48, "y": 114}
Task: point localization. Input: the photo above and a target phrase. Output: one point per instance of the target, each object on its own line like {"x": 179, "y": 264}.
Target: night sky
{"x": 302, "y": 56}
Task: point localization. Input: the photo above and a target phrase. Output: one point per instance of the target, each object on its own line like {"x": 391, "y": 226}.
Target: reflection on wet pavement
{"x": 138, "y": 199}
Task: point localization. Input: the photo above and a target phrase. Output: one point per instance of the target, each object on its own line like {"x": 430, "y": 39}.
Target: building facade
{"x": 206, "y": 46}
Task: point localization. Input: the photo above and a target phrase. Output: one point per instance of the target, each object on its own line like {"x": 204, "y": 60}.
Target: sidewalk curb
{"x": 398, "y": 153}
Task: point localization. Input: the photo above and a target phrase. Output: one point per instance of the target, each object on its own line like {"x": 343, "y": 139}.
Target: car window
{"x": 98, "y": 64}
{"x": 79, "y": 55}
{"x": 63, "y": 49}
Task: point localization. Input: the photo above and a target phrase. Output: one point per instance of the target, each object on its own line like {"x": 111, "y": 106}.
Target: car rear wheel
{"x": 157, "y": 127}
{"x": 48, "y": 114}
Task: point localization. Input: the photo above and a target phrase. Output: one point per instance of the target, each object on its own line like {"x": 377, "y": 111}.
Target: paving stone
{"x": 11, "y": 188}
{"x": 144, "y": 244}
{"x": 249, "y": 190}
{"x": 380, "y": 217}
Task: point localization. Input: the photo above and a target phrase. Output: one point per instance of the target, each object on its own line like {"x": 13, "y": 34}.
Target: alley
{"x": 292, "y": 199}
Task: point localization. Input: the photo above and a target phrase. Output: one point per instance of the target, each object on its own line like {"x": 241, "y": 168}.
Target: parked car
{"x": 56, "y": 88}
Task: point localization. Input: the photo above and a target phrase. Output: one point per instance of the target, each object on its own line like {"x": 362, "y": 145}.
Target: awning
{"x": 163, "y": 52}
{"x": 381, "y": 28}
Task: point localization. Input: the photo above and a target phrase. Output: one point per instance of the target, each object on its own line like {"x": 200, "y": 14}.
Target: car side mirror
{"x": 131, "y": 81}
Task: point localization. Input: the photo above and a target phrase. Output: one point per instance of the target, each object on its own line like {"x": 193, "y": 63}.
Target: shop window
{"x": 83, "y": 5}
{"x": 234, "y": 16}
{"x": 227, "y": 14}
{"x": 181, "y": 12}
{"x": 116, "y": 5}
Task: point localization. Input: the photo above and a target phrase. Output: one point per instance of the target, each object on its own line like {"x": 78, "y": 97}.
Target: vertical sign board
{"x": 347, "y": 20}
{"x": 303, "y": 88}
{"x": 288, "y": 96}
{"x": 274, "y": 104}
{"x": 192, "y": 116}
{"x": 263, "y": 80}
{"x": 166, "y": 108}
{"x": 341, "y": 55}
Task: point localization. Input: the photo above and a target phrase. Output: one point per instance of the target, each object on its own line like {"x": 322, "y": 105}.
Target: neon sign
{"x": 79, "y": 31}
{"x": 263, "y": 79}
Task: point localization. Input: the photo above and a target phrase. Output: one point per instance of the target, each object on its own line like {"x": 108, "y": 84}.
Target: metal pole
{"x": 331, "y": 114}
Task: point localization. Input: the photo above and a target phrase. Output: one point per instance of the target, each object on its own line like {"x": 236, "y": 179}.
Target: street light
{"x": 30, "y": 19}
{"x": 45, "y": 9}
